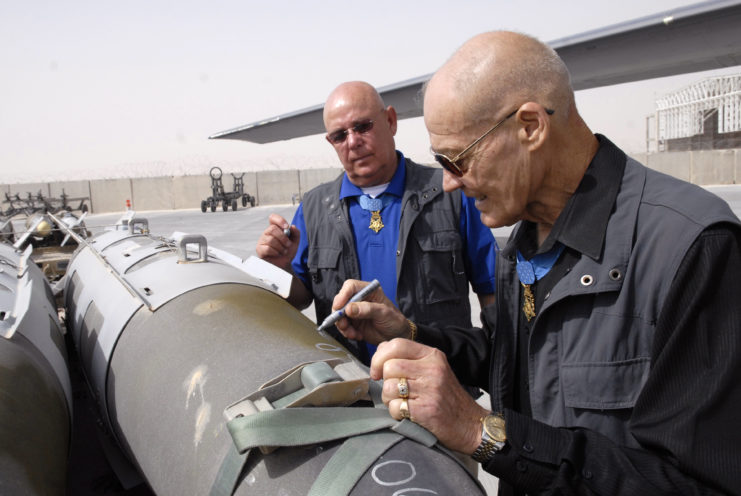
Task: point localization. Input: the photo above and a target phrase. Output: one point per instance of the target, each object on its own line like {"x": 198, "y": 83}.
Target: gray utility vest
{"x": 590, "y": 344}
{"x": 432, "y": 286}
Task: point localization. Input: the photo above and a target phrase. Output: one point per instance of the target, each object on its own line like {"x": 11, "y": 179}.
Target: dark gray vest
{"x": 590, "y": 345}
{"x": 432, "y": 286}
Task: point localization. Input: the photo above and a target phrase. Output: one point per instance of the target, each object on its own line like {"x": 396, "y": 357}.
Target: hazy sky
{"x": 95, "y": 89}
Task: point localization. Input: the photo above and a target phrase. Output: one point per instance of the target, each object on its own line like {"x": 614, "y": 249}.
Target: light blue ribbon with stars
{"x": 537, "y": 267}
{"x": 375, "y": 204}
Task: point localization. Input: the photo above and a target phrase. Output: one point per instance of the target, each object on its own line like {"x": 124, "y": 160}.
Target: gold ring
{"x": 403, "y": 388}
{"x": 404, "y": 410}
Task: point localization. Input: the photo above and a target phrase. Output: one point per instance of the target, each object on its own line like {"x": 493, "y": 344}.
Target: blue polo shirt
{"x": 377, "y": 251}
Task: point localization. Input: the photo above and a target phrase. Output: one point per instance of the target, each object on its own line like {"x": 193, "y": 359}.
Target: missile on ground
{"x": 174, "y": 341}
{"x": 35, "y": 390}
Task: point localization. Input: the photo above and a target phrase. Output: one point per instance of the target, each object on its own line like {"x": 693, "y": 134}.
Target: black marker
{"x": 359, "y": 296}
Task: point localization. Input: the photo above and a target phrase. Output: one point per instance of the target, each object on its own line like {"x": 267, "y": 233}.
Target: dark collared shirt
{"x": 581, "y": 228}
{"x": 685, "y": 418}
{"x": 697, "y": 328}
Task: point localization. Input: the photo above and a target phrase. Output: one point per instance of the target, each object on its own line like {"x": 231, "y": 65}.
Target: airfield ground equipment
{"x": 39, "y": 203}
{"x": 218, "y": 195}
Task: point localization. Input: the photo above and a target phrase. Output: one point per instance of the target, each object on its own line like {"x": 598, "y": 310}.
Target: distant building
{"x": 702, "y": 116}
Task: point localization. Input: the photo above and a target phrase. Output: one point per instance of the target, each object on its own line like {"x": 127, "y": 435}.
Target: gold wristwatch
{"x": 493, "y": 437}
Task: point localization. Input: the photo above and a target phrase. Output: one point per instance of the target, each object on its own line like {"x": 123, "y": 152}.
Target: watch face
{"x": 494, "y": 425}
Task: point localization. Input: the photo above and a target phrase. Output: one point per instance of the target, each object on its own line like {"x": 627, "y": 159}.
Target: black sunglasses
{"x": 451, "y": 164}
{"x": 340, "y": 136}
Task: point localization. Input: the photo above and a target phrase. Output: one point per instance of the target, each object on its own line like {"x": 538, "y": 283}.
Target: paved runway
{"x": 237, "y": 232}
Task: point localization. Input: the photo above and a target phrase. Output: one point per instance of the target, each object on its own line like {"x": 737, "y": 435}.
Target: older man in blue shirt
{"x": 384, "y": 218}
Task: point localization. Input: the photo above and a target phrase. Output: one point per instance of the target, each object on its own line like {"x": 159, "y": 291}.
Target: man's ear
{"x": 392, "y": 119}
{"x": 534, "y": 124}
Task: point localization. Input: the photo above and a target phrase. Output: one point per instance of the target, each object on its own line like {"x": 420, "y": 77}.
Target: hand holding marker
{"x": 359, "y": 296}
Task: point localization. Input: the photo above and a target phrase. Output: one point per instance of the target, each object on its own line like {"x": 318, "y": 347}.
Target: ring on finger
{"x": 403, "y": 388}
{"x": 404, "y": 410}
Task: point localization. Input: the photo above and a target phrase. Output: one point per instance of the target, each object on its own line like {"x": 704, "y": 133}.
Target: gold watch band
{"x": 493, "y": 437}
{"x": 485, "y": 451}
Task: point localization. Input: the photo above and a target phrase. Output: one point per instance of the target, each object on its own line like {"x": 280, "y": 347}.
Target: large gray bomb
{"x": 35, "y": 391}
{"x": 176, "y": 341}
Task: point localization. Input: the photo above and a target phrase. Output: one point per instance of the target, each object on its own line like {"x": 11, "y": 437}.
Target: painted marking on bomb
{"x": 193, "y": 386}
{"x": 208, "y": 307}
{"x": 334, "y": 348}
{"x": 399, "y": 492}
{"x": 408, "y": 490}
{"x": 378, "y": 480}
{"x": 328, "y": 347}
{"x": 203, "y": 416}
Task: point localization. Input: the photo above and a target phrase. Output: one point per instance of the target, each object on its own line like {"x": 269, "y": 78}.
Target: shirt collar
{"x": 396, "y": 186}
{"x": 582, "y": 223}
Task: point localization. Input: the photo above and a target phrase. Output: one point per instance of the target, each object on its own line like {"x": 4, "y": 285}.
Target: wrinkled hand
{"x": 436, "y": 400}
{"x": 373, "y": 320}
{"x": 274, "y": 246}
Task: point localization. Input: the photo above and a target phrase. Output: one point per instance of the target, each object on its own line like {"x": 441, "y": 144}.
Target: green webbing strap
{"x": 302, "y": 426}
{"x": 292, "y": 427}
{"x": 351, "y": 461}
{"x": 375, "y": 389}
{"x": 415, "y": 432}
{"x": 231, "y": 467}
{"x": 357, "y": 454}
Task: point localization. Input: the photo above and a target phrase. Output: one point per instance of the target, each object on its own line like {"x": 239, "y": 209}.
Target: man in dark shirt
{"x": 613, "y": 352}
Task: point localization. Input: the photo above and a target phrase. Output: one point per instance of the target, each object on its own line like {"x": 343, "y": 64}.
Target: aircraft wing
{"x": 695, "y": 38}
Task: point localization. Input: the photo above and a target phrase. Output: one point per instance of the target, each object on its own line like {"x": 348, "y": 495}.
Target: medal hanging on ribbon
{"x": 527, "y": 277}
{"x": 376, "y": 223}
{"x": 374, "y": 206}
{"x": 530, "y": 271}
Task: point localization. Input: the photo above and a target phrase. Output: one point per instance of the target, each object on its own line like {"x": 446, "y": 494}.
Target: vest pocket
{"x": 319, "y": 261}
{"x": 442, "y": 273}
{"x": 604, "y": 385}
{"x": 323, "y": 258}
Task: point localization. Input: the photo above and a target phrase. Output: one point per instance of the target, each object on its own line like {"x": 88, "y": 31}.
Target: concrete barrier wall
{"x": 110, "y": 195}
{"x": 713, "y": 167}
{"x": 311, "y": 178}
{"x": 276, "y": 187}
{"x": 189, "y": 191}
{"x": 677, "y": 164}
{"x": 152, "y": 193}
{"x": 703, "y": 167}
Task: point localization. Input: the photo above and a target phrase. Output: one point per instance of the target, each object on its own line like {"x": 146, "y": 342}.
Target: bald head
{"x": 352, "y": 94}
{"x": 362, "y": 133}
{"x": 502, "y": 69}
{"x": 503, "y": 108}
